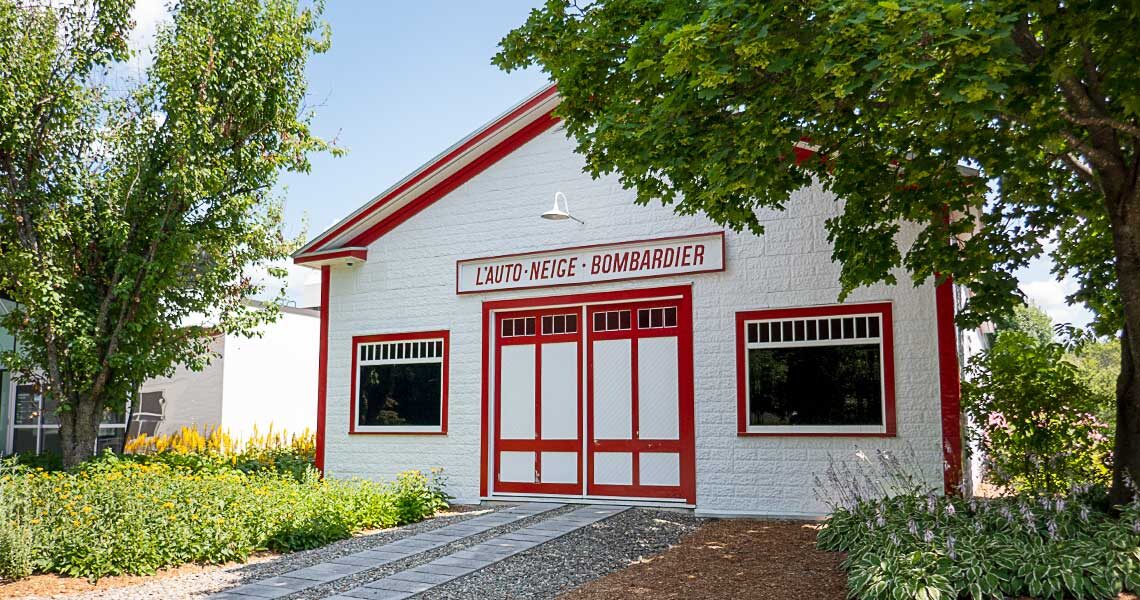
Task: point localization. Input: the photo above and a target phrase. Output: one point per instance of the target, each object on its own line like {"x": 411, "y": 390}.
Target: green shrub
{"x": 15, "y": 542}
{"x": 945, "y": 548}
{"x": 134, "y": 516}
{"x": 1035, "y": 417}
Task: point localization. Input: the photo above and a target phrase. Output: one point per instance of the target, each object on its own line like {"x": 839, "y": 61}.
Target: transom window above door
{"x": 400, "y": 383}
{"x": 816, "y": 371}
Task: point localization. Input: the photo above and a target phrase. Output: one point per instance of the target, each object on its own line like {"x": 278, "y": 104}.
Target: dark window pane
{"x": 657, "y": 318}
{"x": 439, "y": 349}
{"x": 23, "y": 440}
{"x": 799, "y": 331}
{"x": 599, "y": 321}
{"x": 824, "y": 330}
{"x": 362, "y": 352}
{"x": 49, "y": 444}
{"x": 405, "y": 394}
{"x": 671, "y": 316}
{"x": 787, "y": 333}
{"x": 811, "y": 330}
{"x": 560, "y": 324}
{"x": 508, "y": 328}
{"x": 753, "y": 333}
{"x": 873, "y": 326}
{"x": 822, "y": 385}
{"x": 571, "y": 323}
{"x": 643, "y": 318}
{"x": 110, "y": 438}
{"x": 624, "y": 319}
{"x": 775, "y": 332}
{"x": 861, "y": 327}
{"x": 150, "y": 402}
{"x": 529, "y": 326}
{"x": 848, "y": 328}
{"x": 763, "y": 327}
{"x": 27, "y": 405}
{"x": 837, "y": 329}
{"x": 547, "y": 324}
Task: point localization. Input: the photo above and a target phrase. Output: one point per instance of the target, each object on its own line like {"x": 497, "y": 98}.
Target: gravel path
{"x": 199, "y": 585}
{"x": 574, "y": 559}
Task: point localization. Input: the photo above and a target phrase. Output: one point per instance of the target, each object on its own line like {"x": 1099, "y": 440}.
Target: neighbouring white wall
{"x": 408, "y": 284}
{"x": 272, "y": 379}
{"x": 7, "y": 341}
{"x": 192, "y": 398}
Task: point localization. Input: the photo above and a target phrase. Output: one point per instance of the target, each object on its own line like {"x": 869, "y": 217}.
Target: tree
{"x": 698, "y": 104}
{"x": 1028, "y": 319}
{"x": 128, "y": 210}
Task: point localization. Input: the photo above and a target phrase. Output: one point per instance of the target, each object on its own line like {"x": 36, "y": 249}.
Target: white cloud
{"x": 147, "y": 15}
{"x": 1050, "y": 294}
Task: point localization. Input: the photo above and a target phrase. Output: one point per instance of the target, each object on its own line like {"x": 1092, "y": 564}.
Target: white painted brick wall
{"x": 408, "y": 284}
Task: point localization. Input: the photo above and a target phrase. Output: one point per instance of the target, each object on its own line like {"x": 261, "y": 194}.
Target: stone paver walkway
{"x": 337, "y": 568}
{"x": 410, "y": 582}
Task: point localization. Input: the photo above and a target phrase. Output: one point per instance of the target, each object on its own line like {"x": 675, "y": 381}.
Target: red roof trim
{"x": 360, "y": 254}
{"x": 512, "y": 143}
{"x": 438, "y": 164}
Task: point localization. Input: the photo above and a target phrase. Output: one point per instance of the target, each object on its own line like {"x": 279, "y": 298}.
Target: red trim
{"x": 400, "y": 337}
{"x": 322, "y": 370}
{"x": 882, "y": 308}
{"x": 492, "y": 318}
{"x": 949, "y": 382}
{"x": 357, "y": 253}
{"x": 530, "y": 131}
{"x": 723, "y": 262}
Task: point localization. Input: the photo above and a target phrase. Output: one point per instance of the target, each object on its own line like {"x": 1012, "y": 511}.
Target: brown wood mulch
{"x": 760, "y": 560}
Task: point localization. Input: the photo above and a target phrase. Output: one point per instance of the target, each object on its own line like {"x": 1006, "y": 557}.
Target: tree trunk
{"x": 79, "y": 430}
{"x": 1125, "y": 216}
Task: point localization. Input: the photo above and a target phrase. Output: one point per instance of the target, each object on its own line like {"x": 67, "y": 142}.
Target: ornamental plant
{"x": 113, "y": 516}
{"x": 1035, "y": 417}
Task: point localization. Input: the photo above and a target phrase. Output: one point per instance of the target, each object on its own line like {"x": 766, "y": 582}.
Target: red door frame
{"x": 683, "y": 297}
{"x": 537, "y": 445}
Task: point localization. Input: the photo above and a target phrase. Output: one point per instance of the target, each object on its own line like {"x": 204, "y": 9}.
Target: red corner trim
{"x": 949, "y": 382}
{"x": 443, "y": 334}
{"x": 885, "y": 311}
{"x": 322, "y": 370}
{"x": 502, "y": 149}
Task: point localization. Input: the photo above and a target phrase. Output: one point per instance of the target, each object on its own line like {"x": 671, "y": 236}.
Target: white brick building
{"x": 706, "y": 368}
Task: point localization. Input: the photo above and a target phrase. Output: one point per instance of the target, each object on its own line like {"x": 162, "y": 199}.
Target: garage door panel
{"x": 659, "y": 468}
{"x": 657, "y": 389}
{"x": 559, "y": 467}
{"x": 613, "y": 468}
{"x": 516, "y": 411}
{"x": 516, "y": 467}
{"x": 613, "y": 390}
{"x": 560, "y": 391}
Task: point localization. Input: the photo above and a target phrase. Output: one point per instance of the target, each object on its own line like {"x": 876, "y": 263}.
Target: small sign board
{"x": 661, "y": 257}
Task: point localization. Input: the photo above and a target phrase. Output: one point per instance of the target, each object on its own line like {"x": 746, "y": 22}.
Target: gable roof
{"x": 348, "y": 240}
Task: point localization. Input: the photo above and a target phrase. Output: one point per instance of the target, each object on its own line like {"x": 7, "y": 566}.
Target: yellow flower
{"x": 86, "y": 509}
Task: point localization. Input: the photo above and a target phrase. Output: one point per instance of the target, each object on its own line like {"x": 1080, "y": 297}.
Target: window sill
{"x": 397, "y": 431}
{"x": 777, "y": 431}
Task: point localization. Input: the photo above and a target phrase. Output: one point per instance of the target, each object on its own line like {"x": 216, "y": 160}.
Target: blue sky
{"x": 405, "y": 80}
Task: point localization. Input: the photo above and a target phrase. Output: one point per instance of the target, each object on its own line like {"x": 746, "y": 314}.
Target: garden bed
{"x": 764, "y": 560}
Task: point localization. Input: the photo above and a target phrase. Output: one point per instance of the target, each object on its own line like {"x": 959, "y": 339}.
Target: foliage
{"x": 276, "y": 451}
{"x": 1098, "y": 362}
{"x": 1028, "y": 319}
{"x": 1035, "y": 417}
{"x": 932, "y": 547}
{"x": 698, "y": 105}
{"x": 903, "y": 541}
{"x": 123, "y": 516}
{"x": 130, "y": 207}
{"x": 15, "y": 544}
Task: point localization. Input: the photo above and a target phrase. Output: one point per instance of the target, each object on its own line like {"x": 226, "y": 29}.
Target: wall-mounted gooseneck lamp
{"x": 560, "y": 212}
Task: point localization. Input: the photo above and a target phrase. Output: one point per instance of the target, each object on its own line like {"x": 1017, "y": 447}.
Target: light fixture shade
{"x": 556, "y": 212}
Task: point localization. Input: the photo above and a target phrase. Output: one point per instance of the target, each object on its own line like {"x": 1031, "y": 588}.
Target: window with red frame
{"x": 821, "y": 370}
{"x": 400, "y": 384}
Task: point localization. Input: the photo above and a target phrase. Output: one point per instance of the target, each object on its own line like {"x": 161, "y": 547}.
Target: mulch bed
{"x": 760, "y": 560}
